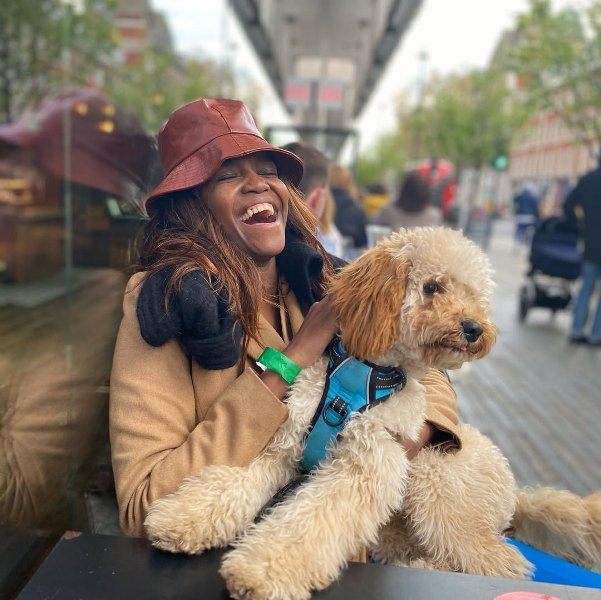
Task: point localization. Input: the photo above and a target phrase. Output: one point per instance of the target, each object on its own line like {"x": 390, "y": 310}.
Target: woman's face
{"x": 250, "y": 202}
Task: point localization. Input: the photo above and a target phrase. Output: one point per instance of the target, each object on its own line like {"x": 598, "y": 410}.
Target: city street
{"x": 535, "y": 395}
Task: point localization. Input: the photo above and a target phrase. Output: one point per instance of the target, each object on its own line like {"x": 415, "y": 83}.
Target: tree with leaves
{"x": 384, "y": 157}
{"x": 160, "y": 82}
{"x": 467, "y": 118}
{"x": 557, "y": 60}
{"x": 45, "y": 43}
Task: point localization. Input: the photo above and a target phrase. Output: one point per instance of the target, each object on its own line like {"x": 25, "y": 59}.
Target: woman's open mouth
{"x": 264, "y": 212}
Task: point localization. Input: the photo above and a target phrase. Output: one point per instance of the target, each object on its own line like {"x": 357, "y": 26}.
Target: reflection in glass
{"x": 85, "y": 86}
{"x": 59, "y": 302}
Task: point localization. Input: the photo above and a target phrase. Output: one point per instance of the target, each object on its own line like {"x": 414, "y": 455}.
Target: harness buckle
{"x": 335, "y": 412}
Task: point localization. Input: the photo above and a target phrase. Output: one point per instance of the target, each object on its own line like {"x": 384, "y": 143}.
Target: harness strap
{"x": 351, "y": 386}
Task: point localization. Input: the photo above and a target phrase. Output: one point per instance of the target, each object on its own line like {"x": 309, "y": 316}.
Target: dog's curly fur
{"x": 401, "y": 304}
{"x": 561, "y": 523}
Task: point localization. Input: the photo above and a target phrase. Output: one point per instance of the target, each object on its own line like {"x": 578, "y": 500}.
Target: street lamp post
{"x": 420, "y": 89}
{"x": 72, "y": 8}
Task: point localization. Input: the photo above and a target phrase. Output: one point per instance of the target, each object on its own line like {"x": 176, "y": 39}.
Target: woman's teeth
{"x": 257, "y": 208}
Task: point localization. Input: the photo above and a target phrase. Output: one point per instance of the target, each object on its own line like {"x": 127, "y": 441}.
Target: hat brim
{"x": 199, "y": 167}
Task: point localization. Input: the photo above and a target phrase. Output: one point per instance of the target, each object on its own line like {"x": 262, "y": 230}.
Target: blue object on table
{"x": 551, "y": 569}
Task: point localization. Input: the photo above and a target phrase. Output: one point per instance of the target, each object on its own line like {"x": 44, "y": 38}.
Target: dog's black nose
{"x": 471, "y": 330}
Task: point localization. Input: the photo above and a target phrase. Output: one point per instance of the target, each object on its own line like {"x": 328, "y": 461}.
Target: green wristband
{"x": 279, "y": 363}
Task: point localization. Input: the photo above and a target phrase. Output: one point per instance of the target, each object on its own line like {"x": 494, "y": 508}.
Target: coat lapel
{"x": 294, "y": 312}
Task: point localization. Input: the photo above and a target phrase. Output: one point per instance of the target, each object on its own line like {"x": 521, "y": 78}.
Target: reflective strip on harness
{"x": 351, "y": 386}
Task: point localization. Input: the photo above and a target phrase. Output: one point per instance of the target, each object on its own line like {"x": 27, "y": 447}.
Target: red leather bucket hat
{"x": 198, "y": 137}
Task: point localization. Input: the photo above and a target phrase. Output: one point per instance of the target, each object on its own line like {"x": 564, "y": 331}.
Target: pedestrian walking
{"x": 526, "y": 211}
{"x": 583, "y": 206}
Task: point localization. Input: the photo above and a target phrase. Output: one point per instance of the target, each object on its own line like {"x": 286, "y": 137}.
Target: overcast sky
{"x": 455, "y": 34}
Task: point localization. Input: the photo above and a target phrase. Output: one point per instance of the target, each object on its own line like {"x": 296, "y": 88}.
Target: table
{"x": 21, "y": 553}
{"x": 100, "y": 567}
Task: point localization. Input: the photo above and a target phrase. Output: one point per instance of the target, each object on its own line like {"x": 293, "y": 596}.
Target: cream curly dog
{"x": 419, "y": 299}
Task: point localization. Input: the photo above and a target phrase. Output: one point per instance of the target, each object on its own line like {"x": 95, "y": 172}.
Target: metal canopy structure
{"x": 324, "y": 57}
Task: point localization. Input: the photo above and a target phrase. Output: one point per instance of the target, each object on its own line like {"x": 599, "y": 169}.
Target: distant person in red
{"x": 448, "y": 199}
{"x": 438, "y": 173}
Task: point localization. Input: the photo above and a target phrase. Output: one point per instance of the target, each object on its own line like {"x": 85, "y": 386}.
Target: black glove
{"x": 198, "y": 316}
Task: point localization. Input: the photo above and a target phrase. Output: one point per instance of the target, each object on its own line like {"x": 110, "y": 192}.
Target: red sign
{"x": 298, "y": 93}
{"x": 306, "y": 93}
{"x": 330, "y": 94}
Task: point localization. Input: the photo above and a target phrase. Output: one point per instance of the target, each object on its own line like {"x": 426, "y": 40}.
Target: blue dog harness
{"x": 351, "y": 386}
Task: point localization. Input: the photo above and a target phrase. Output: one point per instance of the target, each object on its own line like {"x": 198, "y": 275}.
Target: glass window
{"x": 85, "y": 86}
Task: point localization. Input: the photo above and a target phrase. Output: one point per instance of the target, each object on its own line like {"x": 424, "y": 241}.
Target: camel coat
{"x": 169, "y": 417}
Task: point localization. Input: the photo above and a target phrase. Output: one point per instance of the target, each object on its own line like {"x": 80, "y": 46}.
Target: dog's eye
{"x": 431, "y": 288}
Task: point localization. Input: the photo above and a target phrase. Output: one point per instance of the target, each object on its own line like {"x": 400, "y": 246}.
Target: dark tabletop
{"x": 21, "y": 554}
{"x": 103, "y": 567}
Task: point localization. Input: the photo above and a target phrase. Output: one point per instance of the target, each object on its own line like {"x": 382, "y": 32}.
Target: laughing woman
{"x": 230, "y": 265}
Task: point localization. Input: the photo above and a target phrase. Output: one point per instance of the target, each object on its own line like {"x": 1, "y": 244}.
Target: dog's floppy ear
{"x": 368, "y": 296}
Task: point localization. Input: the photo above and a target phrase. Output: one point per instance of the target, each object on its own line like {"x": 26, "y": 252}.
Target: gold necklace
{"x": 276, "y": 299}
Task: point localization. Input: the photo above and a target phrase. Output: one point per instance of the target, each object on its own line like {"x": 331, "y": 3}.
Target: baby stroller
{"x": 555, "y": 262}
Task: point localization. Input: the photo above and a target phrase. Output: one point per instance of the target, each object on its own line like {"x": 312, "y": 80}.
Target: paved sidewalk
{"x": 535, "y": 395}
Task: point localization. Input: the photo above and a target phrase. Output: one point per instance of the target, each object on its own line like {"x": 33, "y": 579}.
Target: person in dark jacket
{"x": 583, "y": 204}
{"x": 526, "y": 211}
{"x": 350, "y": 218}
{"x": 315, "y": 188}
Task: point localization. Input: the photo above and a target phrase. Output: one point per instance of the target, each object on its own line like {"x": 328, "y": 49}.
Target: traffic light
{"x": 500, "y": 163}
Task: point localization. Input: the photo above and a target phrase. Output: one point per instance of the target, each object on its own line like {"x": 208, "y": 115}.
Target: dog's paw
{"x": 169, "y": 526}
{"x": 252, "y": 579}
{"x": 180, "y": 523}
{"x": 500, "y": 560}
{"x": 209, "y": 510}
{"x": 517, "y": 565}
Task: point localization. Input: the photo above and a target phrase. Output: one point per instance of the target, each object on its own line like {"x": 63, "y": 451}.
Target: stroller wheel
{"x": 524, "y": 304}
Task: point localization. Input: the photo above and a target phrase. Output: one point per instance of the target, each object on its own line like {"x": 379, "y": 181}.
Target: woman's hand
{"x": 309, "y": 343}
{"x": 412, "y": 448}
{"x": 314, "y": 335}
